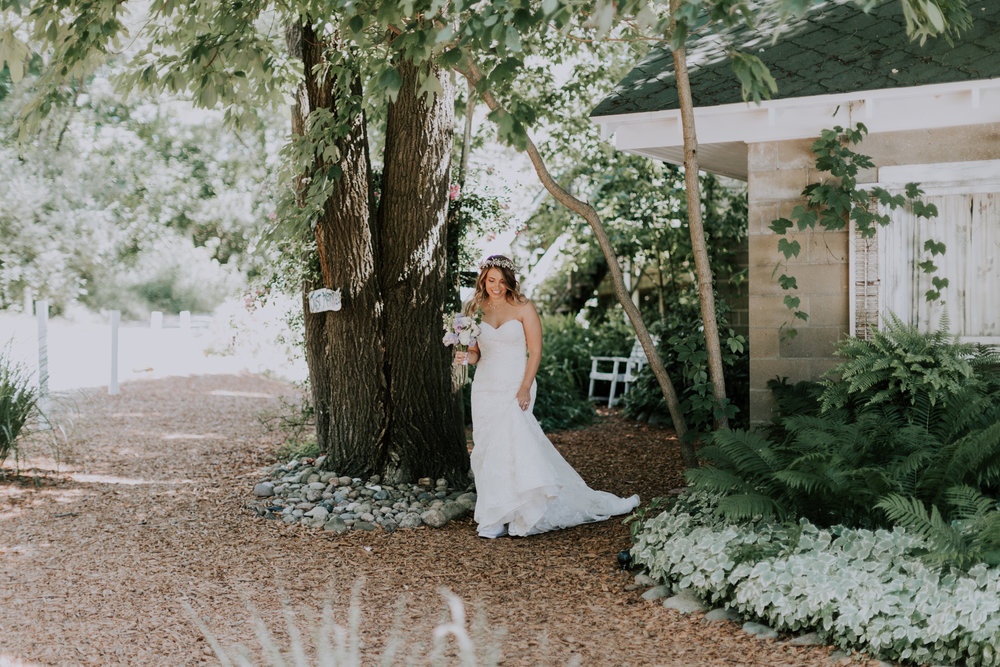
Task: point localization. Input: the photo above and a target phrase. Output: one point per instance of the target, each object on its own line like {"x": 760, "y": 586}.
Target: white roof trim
{"x": 885, "y": 110}
{"x": 944, "y": 178}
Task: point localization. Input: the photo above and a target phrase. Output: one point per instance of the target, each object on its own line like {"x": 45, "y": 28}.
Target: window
{"x": 884, "y": 270}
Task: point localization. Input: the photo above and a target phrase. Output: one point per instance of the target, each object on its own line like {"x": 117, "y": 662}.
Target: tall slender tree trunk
{"x": 703, "y": 268}
{"x": 378, "y": 371}
{"x": 661, "y": 306}
{"x": 426, "y": 434}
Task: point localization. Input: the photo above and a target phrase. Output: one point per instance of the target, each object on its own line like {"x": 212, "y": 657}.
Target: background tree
{"x": 134, "y": 204}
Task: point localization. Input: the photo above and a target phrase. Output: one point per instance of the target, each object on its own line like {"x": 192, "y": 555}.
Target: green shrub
{"x": 613, "y": 337}
{"x": 18, "y": 399}
{"x": 170, "y": 276}
{"x": 566, "y": 351}
{"x": 562, "y": 378}
{"x": 682, "y": 349}
{"x": 973, "y": 535}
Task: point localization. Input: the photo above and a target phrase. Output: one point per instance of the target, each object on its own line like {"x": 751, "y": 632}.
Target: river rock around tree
{"x": 300, "y": 492}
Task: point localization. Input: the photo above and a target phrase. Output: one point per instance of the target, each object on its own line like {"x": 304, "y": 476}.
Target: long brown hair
{"x": 506, "y": 268}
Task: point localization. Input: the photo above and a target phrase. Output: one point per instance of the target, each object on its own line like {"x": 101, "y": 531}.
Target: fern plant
{"x": 823, "y": 469}
{"x": 971, "y": 536}
{"x": 900, "y": 364}
{"x": 908, "y": 421}
{"x": 741, "y": 470}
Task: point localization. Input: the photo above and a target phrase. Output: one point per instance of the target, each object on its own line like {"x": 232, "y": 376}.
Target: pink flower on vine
{"x": 453, "y": 191}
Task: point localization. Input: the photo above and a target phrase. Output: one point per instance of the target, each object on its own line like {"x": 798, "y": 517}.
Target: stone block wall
{"x": 777, "y": 173}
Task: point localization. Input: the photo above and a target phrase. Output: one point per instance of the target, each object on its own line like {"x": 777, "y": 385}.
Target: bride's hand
{"x": 460, "y": 357}
{"x": 523, "y": 398}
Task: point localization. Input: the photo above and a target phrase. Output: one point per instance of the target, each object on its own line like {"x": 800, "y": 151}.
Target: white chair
{"x": 617, "y": 371}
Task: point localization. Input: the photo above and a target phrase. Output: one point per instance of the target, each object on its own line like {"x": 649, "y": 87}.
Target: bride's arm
{"x": 533, "y": 339}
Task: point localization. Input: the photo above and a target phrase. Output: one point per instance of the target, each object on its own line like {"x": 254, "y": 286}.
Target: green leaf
{"x": 787, "y": 282}
{"x": 789, "y": 249}
{"x": 933, "y": 247}
{"x": 603, "y": 17}
{"x": 927, "y": 266}
{"x": 807, "y": 218}
{"x": 446, "y": 34}
{"x": 390, "y": 82}
{"x": 451, "y": 57}
{"x": 934, "y": 16}
{"x": 431, "y": 87}
{"x": 922, "y": 210}
{"x": 756, "y": 80}
{"x": 513, "y": 39}
{"x": 209, "y": 96}
{"x": 792, "y": 302}
{"x": 780, "y": 226}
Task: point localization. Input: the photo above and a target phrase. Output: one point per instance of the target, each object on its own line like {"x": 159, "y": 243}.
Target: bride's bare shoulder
{"x": 526, "y": 309}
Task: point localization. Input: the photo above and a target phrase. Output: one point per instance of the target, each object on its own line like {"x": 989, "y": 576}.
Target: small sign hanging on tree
{"x": 324, "y": 299}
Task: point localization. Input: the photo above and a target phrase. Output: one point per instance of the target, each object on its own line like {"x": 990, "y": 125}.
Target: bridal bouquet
{"x": 461, "y": 331}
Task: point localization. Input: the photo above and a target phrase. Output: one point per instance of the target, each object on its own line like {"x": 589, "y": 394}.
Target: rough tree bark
{"x": 378, "y": 371}
{"x": 425, "y": 426}
{"x": 344, "y": 349}
{"x": 703, "y": 269}
{"x": 587, "y": 211}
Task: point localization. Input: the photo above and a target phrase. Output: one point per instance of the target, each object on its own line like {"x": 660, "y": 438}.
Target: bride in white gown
{"x": 523, "y": 485}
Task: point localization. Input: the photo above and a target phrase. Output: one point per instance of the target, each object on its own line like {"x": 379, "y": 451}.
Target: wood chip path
{"x": 145, "y": 514}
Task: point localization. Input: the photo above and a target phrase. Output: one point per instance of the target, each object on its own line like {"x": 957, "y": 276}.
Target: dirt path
{"x": 97, "y": 561}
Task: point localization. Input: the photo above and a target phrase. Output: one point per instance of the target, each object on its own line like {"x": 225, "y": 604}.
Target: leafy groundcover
{"x": 867, "y": 589}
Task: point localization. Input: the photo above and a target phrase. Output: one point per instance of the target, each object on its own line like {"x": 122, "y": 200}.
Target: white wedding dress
{"x": 521, "y": 479}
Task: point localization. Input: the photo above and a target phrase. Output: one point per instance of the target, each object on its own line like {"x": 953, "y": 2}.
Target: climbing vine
{"x": 837, "y": 199}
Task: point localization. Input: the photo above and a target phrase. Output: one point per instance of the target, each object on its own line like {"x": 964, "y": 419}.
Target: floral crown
{"x": 498, "y": 262}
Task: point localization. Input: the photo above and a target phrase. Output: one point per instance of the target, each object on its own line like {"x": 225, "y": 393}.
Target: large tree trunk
{"x": 345, "y": 349}
{"x": 425, "y": 436}
{"x": 703, "y": 269}
{"x": 380, "y": 376}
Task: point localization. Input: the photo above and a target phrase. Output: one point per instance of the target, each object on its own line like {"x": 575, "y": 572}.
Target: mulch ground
{"x": 144, "y": 518}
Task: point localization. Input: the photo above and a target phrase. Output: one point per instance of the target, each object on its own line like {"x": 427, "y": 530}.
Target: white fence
{"x": 66, "y": 355}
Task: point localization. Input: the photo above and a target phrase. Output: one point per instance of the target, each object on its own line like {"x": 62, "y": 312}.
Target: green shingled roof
{"x": 835, "y": 49}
